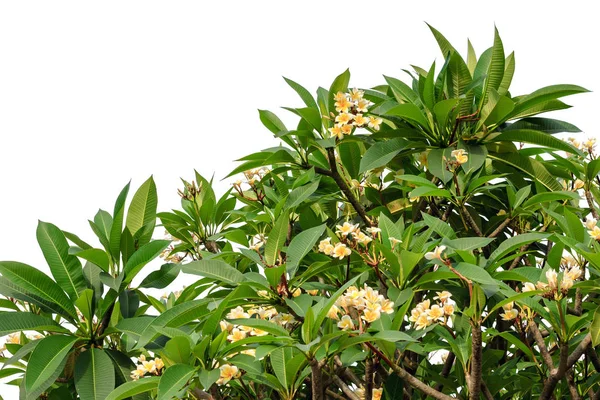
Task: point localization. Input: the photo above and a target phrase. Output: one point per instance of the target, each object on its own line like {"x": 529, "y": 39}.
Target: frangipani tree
{"x": 428, "y": 237}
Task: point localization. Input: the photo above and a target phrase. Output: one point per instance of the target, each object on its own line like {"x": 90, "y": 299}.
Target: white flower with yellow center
{"x": 415, "y": 313}
{"x": 509, "y": 315}
{"x": 340, "y": 251}
{"x": 362, "y": 238}
{"x": 346, "y": 229}
{"x": 436, "y": 254}
{"x": 394, "y": 241}
{"x": 356, "y": 94}
{"x": 313, "y": 292}
{"x": 333, "y": 312}
{"x": 443, "y": 296}
{"x": 595, "y": 233}
{"x": 460, "y": 155}
{"x": 263, "y": 293}
{"x": 343, "y": 105}
{"x": 225, "y": 326}
{"x": 346, "y": 323}
{"x": 256, "y": 246}
{"x": 297, "y": 292}
{"x": 323, "y": 244}
{"x": 14, "y": 338}
{"x": 228, "y": 372}
{"x": 578, "y": 184}
{"x": 574, "y": 273}
{"x": 337, "y": 131}
{"x": 508, "y": 306}
{"x": 149, "y": 366}
{"x": 258, "y": 332}
{"x": 373, "y": 230}
{"x": 372, "y": 295}
{"x": 566, "y": 283}
{"x": 424, "y": 305}
{"x": 387, "y": 306}
{"x": 371, "y": 315}
{"x": 159, "y": 364}
{"x": 347, "y": 129}
{"x": 360, "y": 120}
{"x": 138, "y": 373}
{"x": 362, "y": 105}
{"x": 344, "y": 118}
{"x": 551, "y": 276}
{"x": 435, "y": 313}
{"x": 340, "y": 96}
{"x": 528, "y": 287}
{"x": 375, "y": 123}
{"x": 448, "y": 309}
{"x": 422, "y": 322}
{"x": 237, "y": 313}
{"x": 576, "y": 143}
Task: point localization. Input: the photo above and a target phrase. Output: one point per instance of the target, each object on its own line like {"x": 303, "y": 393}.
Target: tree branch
{"x": 335, "y": 174}
{"x": 500, "y": 228}
{"x": 539, "y": 340}
{"x": 476, "y": 362}
{"x": 590, "y": 201}
{"x": 347, "y": 391}
{"x": 316, "y": 379}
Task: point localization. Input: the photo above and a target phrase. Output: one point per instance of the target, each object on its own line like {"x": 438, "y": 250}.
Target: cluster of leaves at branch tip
{"x": 429, "y": 237}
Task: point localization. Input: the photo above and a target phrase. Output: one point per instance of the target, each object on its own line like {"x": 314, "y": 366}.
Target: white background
{"x": 93, "y": 94}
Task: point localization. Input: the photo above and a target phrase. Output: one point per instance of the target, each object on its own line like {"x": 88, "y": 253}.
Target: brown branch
{"x": 475, "y": 374}
{"x": 408, "y": 378}
{"x": 448, "y": 212}
{"x": 486, "y": 392}
{"x": 566, "y": 362}
{"x": 335, "y": 174}
{"x": 572, "y": 385}
{"x": 446, "y": 369}
{"x": 539, "y": 340}
{"x": 201, "y": 394}
{"x": 342, "y": 385}
{"x": 467, "y": 216}
{"x": 331, "y": 393}
{"x": 316, "y": 379}
{"x": 500, "y": 228}
{"x": 346, "y": 371}
{"x": 369, "y": 378}
{"x": 524, "y": 248}
{"x": 590, "y": 200}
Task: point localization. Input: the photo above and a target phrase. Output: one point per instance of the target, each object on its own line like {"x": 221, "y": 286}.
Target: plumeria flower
{"x": 346, "y": 323}
{"x": 333, "y": 312}
{"x": 297, "y": 292}
{"x": 574, "y": 142}
{"x": 228, "y": 372}
{"x": 448, "y": 309}
{"x": 373, "y": 230}
{"x": 387, "y": 306}
{"x": 360, "y": 120}
{"x": 237, "y": 313}
{"x": 343, "y": 105}
{"x": 344, "y": 118}
{"x": 528, "y": 287}
{"x": 394, "y": 241}
{"x": 552, "y": 276}
{"x": 356, "y": 94}
{"x": 236, "y": 334}
{"x": 362, "y": 238}
{"x": 226, "y": 326}
{"x": 340, "y": 251}
{"x": 346, "y": 229}
{"x": 422, "y": 322}
{"x": 375, "y": 123}
{"x": 337, "y": 131}
{"x": 578, "y": 184}
{"x": 595, "y": 233}
{"x": 371, "y": 315}
{"x": 362, "y": 105}
{"x": 574, "y": 272}
{"x": 436, "y": 254}
{"x": 460, "y": 155}
{"x": 566, "y": 283}
{"x": 435, "y": 313}
{"x": 340, "y": 96}
{"x": 443, "y": 296}
{"x": 257, "y": 246}
{"x": 509, "y": 315}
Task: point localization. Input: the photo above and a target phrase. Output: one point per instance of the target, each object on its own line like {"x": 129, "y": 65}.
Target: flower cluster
{"x": 364, "y": 304}
{"x": 425, "y": 314}
{"x": 375, "y": 393}
{"x": 587, "y": 146}
{"x": 351, "y": 108}
{"x": 593, "y": 229}
{"x": 552, "y": 288}
{"x": 252, "y": 176}
{"x": 239, "y": 332}
{"x": 350, "y": 236}
{"x": 227, "y": 373}
{"x": 150, "y": 367}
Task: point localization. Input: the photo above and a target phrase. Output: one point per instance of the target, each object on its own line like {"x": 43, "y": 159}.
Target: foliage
{"x": 409, "y": 240}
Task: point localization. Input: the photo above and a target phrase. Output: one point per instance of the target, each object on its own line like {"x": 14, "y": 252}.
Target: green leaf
{"x": 94, "y": 375}
{"x": 546, "y": 125}
{"x": 595, "y": 328}
{"x": 381, "y": 153}
{"x": 117, "y": 225}
{"x": 513, "y": 243}
{"x": 162, "y": 278}
{"x": 531, "y": 167}
{"x": 402, "y": 92}
{"x": 437, "y": 163}
{"x": 593, "y": 169}
{"x": 495, "y": 70}
{"x": 393, "y": 336}
{"x": 544, "y": 95}
{"x": 298, "y": 195}
{"x": 129, "y": 302}
{"x": 96, "y": 257}
{"x": 178, "y": 349}
{"x": 509, "y": 71}
{"x": 410, "y": 113}
{"x": 271, "y": 121}
{"x": 173, "y": 380}
{"x": 539, "y": 198}
{"x": 476, "y": 156}
{"x": 24, "y": 321}
{"x": 27, "y": 283}
{"x": 85, "y": 304}
{"x": 215, "y": 269}
{"x": 46, "y": 359}
{"x": 304, "y": 94}
{"x": 133, "y": 388}
{"x": 301, "y": 245}
{"x": 142, "y": 257}
{"x": 65, "y": 267}
{"x": 276, "y": 239}
{"x": 142, "y": 210}
{"x": 261, "y": 324}
{"x": 535, "y": 137}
